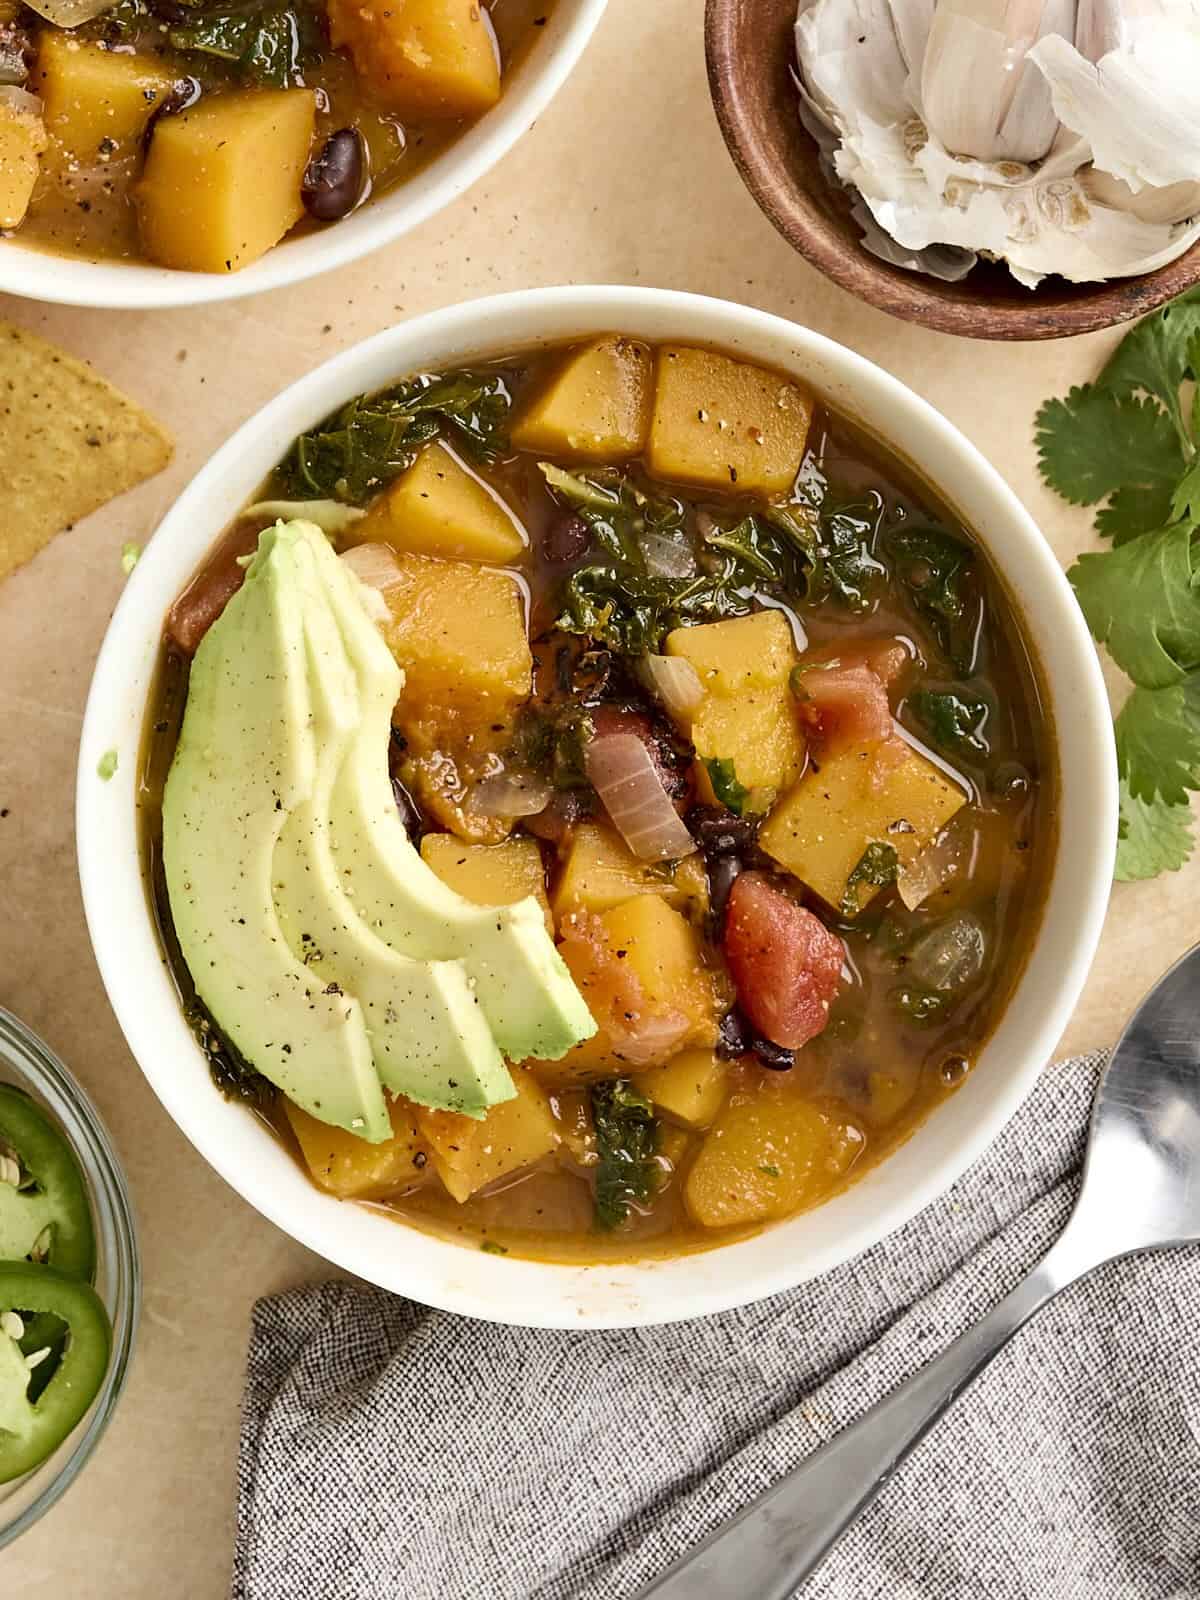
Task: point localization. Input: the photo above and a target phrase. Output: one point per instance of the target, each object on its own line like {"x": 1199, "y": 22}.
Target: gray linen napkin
{"x": 390, "y": 1451}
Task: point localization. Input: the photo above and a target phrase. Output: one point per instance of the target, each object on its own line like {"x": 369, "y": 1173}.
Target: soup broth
{"x": 773, "y": 760}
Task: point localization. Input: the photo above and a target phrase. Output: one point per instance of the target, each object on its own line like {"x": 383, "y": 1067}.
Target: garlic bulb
{"x": 1061, "y": 136}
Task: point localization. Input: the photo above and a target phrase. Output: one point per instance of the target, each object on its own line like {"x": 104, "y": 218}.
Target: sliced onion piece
{"x": 932, "y": 870}
{"x": 666, "y": 557}
{"x": 675, "y": 683}
{"x": 375, "y": 565}
{"x": 621, "y": 771}
{"x": 509, "y": 794}
{"x": 377, "y": 570}
{"x": 331, "y": 516}
{"x": 69, "y": 13}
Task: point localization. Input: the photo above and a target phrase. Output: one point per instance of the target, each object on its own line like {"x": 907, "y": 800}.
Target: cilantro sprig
{"x": 1130, "y": 445}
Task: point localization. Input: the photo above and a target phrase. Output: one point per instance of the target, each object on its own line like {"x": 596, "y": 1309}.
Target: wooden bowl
{"x": 750, "y": 59}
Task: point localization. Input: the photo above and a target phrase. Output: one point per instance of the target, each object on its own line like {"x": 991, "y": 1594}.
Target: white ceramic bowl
{"x": 468, "y": 1280}
{"x": 528, "y": 90}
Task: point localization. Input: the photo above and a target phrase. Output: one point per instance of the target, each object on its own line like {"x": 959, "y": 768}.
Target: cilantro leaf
{"x": 1153, "y": 837}
{"x": 722, "y": 774}
{"x": 1134, "y": 510}
{"x": 1158, "y": 742}
{"x": 1143, "y": 601}
{"x": 1185, "y": 503}
{"x": 1096, "y": 443}
{"x": 1155, "y": 356}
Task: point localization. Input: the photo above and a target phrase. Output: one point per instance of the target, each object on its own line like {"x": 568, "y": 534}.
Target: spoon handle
{"x": 771, "y": 1547}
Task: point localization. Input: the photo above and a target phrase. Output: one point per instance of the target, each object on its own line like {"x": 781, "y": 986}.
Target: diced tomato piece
{"x": 211, "y": 590}
{"x": 785, "y": 962}
{"x": 845, "y": 705}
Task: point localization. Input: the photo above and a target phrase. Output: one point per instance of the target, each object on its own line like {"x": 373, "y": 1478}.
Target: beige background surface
{"x": 624, "y": 180}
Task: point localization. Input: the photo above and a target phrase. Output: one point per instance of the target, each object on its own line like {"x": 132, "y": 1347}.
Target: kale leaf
{"x": 229, "y": 1070}
{"x": 955, "y": 719}
{"x": 849, "y": 570}
{"x": 363, "y": 446}
{"x": 938, "y": 571}
{"x": 266, "y": 46}
{"x": 731, "y": 794}
{"x": 878, "y": 866}
{"x": 627, "y": 1142}
{"x": 632, "y": 613}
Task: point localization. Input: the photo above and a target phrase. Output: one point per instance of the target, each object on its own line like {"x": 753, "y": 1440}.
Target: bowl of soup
{"x": 608, "y": 805}
{"x": 167, "y": 152}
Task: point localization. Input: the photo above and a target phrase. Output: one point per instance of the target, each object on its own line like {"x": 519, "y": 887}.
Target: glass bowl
{"x": 26, "y": 1062}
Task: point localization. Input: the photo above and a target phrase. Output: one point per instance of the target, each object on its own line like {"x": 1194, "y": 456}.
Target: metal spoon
{"x": 1140, "y": 1191}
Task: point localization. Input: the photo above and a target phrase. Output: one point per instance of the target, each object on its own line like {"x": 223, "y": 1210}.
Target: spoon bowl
{"x": 1141, "y": 1179}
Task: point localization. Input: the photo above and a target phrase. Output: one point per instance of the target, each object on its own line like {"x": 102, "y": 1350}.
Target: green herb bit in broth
{"x": 627, "y": 1144}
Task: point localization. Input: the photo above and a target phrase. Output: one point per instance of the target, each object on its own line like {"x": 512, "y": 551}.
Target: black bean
{"x": 566, "y": 539}
{"x": 733, "y": 1036}
{"x": 182, "y": 94}
{"x": 722, "y": 870}
{"x": 771, "y": 1055}
{"x": 720, "y": 832}
{"x": 333, "y": 181}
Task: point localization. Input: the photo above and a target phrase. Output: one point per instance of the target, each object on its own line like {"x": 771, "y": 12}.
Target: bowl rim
{"x": 516, "y": 1291}
{"x": 139, "y": 286}
{"x": 116, "y": 1230}
{"x": 911, "y": 296}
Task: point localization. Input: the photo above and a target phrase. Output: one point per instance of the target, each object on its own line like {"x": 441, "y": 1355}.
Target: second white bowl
{"x": 119, "y": 285}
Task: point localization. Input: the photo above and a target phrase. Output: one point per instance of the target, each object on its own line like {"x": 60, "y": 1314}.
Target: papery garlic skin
{"x": 1138, "y": 106}
{"x": 970, "y": 127}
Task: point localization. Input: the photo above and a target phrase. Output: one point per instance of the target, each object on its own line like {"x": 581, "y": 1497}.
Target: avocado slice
{"x": 429, "y": 1036}
{"x": 247, "y": 759}
{"x": 522, "y": 983}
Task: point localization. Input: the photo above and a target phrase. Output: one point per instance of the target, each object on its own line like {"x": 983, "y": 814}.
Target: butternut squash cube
{"x": 222, "y": 180}
{"x": 352, "y": 1169}
{"x": 440, "y": 508}
{"x": 95, "y": 103}
{"x": 595, "y": 407}
{"x": 425, "y": 59}
{"x": 885, "y": 794}
{"x": 740, "y": 653}
{"x": 489, "y": 874}
{"x": 659, "y": 948}
{"x": 724, "y": 424}
{"x": 691, "y": 1088}
{"x": 757, "y": 731}
{"x": 768, "y": 1154}
{"x": 470, "y": 1154}
{"x": 458, "y": 631}
{"x": 22, "y": 140}
{"x": 601, "y": 871}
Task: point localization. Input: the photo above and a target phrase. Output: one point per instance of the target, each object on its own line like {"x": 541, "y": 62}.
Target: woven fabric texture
{"x": 390, "y": 1452}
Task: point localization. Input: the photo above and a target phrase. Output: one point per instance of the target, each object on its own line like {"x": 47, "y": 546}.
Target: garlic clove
{"x": 1135, "y": 106}
{"x": 979, "y": 94}
{"x": 1174, "y": 202}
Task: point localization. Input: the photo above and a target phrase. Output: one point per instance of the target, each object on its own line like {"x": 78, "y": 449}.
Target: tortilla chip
{"x": 71, "y": 443}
